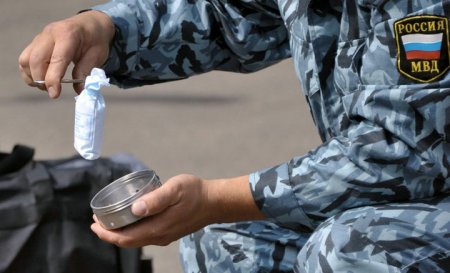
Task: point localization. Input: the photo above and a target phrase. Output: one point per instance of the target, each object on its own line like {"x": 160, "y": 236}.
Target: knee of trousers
{"x": 408, "y": 237}
{"x": 343, "y": 245}
{"x": 246, "y": 247}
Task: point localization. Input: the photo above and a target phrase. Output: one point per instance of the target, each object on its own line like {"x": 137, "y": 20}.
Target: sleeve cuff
{"x": 274, "y": 195}
{"x": 126, "y": 38}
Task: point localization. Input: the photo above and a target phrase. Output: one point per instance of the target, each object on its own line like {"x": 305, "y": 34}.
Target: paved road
{"x": 214, "y": 125}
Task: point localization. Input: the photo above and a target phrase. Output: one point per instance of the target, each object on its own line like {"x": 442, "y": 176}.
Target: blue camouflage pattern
{"x": 164, "y": 40}
{"x": 385, "y": 135}
{"x": 396, "y": 238}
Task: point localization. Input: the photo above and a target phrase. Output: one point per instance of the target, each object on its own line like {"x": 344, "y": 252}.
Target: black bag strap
{"x": 17, "y": 159}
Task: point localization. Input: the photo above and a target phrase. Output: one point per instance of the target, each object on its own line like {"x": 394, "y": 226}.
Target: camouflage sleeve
{"x": 166, "y": 40}
{"x": 384, "y": 156}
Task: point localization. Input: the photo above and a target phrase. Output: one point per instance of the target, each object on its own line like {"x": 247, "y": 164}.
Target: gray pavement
{"x": 214, "y": 125}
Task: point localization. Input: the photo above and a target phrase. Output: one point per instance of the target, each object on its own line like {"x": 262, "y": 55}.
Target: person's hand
{"x": 182, "y": 205}
{"x": 83, "y": 39}
{"x": 173, "y": 210}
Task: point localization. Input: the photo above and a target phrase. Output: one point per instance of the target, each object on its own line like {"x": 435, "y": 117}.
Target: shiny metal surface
{"x": 112, "y": 204}
{"x": 63, "y": 81}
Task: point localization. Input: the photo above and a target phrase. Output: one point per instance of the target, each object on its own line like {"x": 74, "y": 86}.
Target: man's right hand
{"x": 182, "y": 205}
{"x": 83, "y": 39}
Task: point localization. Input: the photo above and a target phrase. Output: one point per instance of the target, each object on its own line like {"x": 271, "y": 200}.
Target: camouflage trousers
{"x": 396, "y": 237}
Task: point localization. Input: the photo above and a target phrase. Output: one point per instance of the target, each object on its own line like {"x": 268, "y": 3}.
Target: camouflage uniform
{"x": 374, "y": 196}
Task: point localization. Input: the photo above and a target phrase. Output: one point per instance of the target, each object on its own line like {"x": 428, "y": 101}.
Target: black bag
{"x": 45, "y": 216}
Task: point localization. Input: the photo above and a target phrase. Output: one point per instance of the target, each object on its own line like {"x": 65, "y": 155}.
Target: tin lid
{"x": 123, "y": 191}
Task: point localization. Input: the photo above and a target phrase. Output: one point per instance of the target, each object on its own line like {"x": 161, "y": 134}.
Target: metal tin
{"x": 112, "y": 204}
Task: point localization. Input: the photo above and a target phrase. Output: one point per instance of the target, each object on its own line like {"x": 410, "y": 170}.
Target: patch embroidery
{"x": 422, "y": 47}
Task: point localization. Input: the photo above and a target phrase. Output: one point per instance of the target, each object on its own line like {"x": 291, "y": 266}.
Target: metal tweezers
{"x": 63, "y": 81}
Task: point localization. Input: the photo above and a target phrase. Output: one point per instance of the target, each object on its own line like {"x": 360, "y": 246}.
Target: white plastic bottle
{"x": 89, "y": 116}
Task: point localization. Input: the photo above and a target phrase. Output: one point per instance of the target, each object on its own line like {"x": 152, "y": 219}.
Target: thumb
{"x": 154, "y": 202}
{"x": 139, "y": 208}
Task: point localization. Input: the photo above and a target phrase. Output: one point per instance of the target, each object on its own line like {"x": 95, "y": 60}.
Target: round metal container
{"x": 112, "y": 204}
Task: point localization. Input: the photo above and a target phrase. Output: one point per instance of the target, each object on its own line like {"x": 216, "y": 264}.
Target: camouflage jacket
{"x": 375, "y": 74}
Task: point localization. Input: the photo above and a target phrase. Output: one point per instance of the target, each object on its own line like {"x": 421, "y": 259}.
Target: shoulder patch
{"x": 422, "y": 47}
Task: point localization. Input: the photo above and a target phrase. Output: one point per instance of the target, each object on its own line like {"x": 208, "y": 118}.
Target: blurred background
{"x": 213, "y": 125}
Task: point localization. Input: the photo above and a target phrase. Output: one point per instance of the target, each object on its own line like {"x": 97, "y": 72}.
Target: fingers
{"x": 47, "y": 58}
{"x": 24, "y": 67}
{"x": 39, "y": 57}
{"x": 145, "y": 232}
{"x": 49, "y": 55}
{"x": 116, "y": 237}
{"x": 83, "y": 39}
{"x": 63, "y": 53}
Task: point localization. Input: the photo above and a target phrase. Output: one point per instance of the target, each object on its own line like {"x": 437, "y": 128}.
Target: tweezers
{"x": 63, "y": 81}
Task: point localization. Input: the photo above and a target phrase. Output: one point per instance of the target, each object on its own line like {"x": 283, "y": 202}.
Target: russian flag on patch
{"x": 422, "y": 46}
